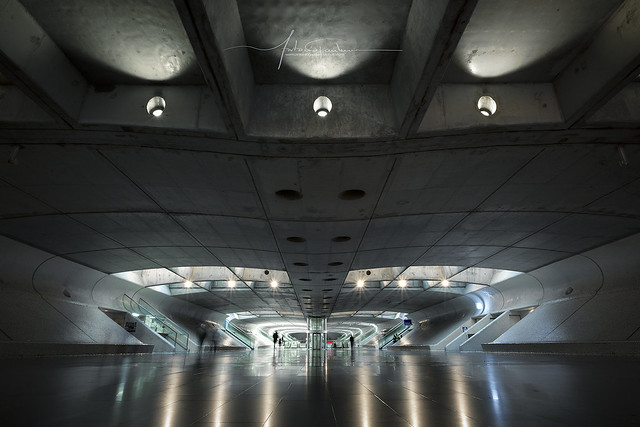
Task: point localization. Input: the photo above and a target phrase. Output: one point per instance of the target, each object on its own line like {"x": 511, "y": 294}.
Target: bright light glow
{"x": 487, "y": 105}
{"x": 231, "y": 283}
{"x": 402, "y": 283}
{"x": 479, "y": 305}
{"x": 445, "y": 283}
{"x": 135, "y": 314}
{"x": 188, "y": 283}
{"x": 322, "y": 106}
{"x": 274, "y": 284}
{"x": 360, "y": 283}
{"x": 156, "y": 106}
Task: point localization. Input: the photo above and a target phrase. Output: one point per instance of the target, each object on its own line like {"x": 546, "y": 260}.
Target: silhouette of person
{"x": 351, "y": 340}
{"x": 275, "y": 339}
{"x": 202, "y": 334}
{"x": 214, "y": 339}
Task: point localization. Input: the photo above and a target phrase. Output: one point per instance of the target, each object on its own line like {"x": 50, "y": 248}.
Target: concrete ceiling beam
{"x": 609, "y": 63}
{"x": 622, "y": 110}
{"x": 433, "y": 31}
{"x": 16, "y": 109}
{"x": 32, "y": 61}
{"x": 211, "y": 27}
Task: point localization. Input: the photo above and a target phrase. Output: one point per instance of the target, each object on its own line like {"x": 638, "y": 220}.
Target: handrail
{"x": 155, "y": 320}
{"x": 365, "y": 337}
{"x": 400, "y": 328}
{"x": 239, "y": 334}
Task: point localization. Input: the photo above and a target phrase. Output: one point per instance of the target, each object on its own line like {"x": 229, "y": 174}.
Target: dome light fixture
{"x": 487, "y": 105}
{"x": 322, "y": 106}
{"x": 156, "y": 106}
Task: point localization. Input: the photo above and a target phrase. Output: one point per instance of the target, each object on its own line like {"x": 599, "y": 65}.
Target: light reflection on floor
{"x": 296, "y": 387}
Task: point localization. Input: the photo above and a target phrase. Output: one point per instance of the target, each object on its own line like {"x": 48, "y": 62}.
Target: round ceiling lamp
{"x": 487, "y": 105}
{"x": 322, "y": 106}
{"x": 156, "y": 106}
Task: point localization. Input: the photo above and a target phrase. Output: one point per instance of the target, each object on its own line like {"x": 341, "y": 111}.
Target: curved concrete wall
{"x": 53, "y": 300}
{"x": 588, "y": 297}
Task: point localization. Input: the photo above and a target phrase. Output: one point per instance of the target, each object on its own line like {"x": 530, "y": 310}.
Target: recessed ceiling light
{"x": 360, "y": 283}
{"x": 188, "y": 283}
{"x": 274, "y": 284}
{"x": 289, "y": 194}
{"x": 231, "y": 283}
{"x": 322, "y": 106}
{"x": 354, "y": 194}
{"x": 445, "y": 283}
{"x": 156, "y": 106}
{"x": 402, "y": 283}
{"x": 296, "y": 239}
{"x": 487, "y": 105}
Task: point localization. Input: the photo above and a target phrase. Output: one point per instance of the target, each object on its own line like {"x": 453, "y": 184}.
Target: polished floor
{"x": 291, "y": 387}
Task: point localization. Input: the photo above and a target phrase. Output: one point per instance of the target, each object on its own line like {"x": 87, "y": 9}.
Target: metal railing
{"x": 362, "y": 339}
{"x": 157, "y": 322}
{"x": 241, "y": 335}
{"x": 399, "y": 329}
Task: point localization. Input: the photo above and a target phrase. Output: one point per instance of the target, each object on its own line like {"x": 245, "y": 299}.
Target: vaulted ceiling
{"x": 240, "y": 179}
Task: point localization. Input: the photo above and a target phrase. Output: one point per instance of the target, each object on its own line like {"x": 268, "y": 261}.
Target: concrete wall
{"x": 588, "y": 298}
{"x": 52, "y": 300}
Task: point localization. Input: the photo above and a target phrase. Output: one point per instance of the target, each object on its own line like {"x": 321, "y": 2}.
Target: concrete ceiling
{"x": 240, "y": 179}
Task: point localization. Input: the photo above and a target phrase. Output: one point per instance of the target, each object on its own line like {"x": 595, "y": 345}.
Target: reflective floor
{"x": 291, "y": 387}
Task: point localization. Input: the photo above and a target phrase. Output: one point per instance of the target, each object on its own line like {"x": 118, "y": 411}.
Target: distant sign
{"x": 407, "y": 322}
{"x": 464, "y": 328}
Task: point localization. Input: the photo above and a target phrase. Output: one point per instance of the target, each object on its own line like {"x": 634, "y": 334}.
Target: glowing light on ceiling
{"x": 360, "y": 283}
{"x": 487, "y": 105}
{"x": 445, "y": 283}
{"x": 231, "y": 283}
{"x": 274, "y": 284}
{"x": 322, "y": 106}
{"x": 156, "y": 106}
{"x": 402, "y": 283}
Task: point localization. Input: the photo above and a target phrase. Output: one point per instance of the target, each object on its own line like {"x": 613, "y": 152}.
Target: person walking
{"x": 351, "y": 341}
{"x": 275, "y": 339}
{"x": 202, "y": 334}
